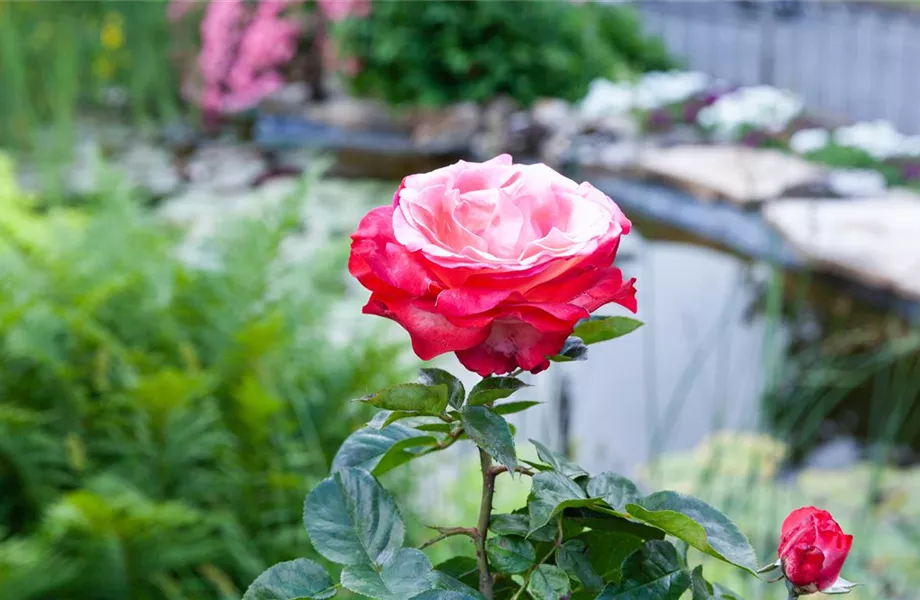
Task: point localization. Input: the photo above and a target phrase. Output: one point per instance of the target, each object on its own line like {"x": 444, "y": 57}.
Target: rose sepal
{"x": 841, "y": 586}
{"x": 778, "y": 565}
{"x": 770, "y": 568}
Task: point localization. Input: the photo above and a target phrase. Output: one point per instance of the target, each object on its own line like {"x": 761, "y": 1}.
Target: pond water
{"x": 695, "y": 367}
{"x": 724, "y": 347}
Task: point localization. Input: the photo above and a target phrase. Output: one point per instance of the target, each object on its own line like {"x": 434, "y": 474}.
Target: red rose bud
{"x": 812, "y": 551}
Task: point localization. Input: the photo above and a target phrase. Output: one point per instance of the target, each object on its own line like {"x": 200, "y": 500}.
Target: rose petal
{"x": 381, "y": 265}
{"x": 431, "y": 333}
{"x": 512, "y": 344}
{"x": 802, "y": 515}
{"x": 835, "y": 547}
{"x": 609, "y": 288}
{"x": 470, "y": 301}
{"x": 804, "y": 533}
{"x": 804, "y": 565}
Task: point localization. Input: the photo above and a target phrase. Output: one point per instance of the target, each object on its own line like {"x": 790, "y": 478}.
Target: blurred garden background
{"x": 181, "y": 348}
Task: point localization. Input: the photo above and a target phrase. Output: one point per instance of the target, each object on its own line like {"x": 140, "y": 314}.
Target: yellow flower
{"x": 103, "y": 67}
{"x": 112, "y": 36}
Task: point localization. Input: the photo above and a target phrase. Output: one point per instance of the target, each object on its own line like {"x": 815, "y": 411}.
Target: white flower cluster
{"x": 760, "y": 107}
{"x": 879, "y": 139}
{"x": 653, "y": 90}
{"x": 659, "y": 89}
{"x": 806, "y": 141}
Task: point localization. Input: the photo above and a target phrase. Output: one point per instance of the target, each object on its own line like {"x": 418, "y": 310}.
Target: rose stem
{"x": 485, "y": 512}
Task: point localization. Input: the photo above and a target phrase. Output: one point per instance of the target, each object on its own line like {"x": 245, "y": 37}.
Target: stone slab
{"x": 737, "y": 229}
{"x": 725, "y": 172}
{"x": 740, "y": 230}
{"x": 875, "y": 241}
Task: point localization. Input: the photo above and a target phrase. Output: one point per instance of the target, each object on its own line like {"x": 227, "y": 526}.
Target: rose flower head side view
{"x": 812, "y": 551}
{"x": 502, "y": 264}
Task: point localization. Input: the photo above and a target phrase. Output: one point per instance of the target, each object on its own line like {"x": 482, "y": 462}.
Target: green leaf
{"x": 616, "y": 490}
{"x": 652, "y": 571}
{"x": 510, "y": 408}
{"x": 380, "y": 450}
{"x": 435, "y": 427}
{"x": 292, "y": 580}
{"x": 407, "y": 573}
{"x": 491, "y": 389}
{"x": 509, "y": 524}
{"x": 352, "y": 520}
{"x": 697, "y": 523}
{"x": 704, "y": 590}
{"x": 402, "y": 452}
{"x": 459, "y": 574}
{"x": 551, "y": 493}
{"x": 608, "y": 549}
{"x": 598, "y": 329}
{"x": 536, "y": 466}
{"x": 558, "y": 462}
{"x": 573, "y": 558}
{"x": 427, "y": 399}
{"x": 549, "y": 582}
{"x": 444, "y": 595}
{"x": 491, "y": 433}
{"x": 602, "y": 519}
{"x": 455, "y": 391}
{"x": 459, "y": 566}
{"x": 573, "y": 349}
{"x": 443, "y": 581}
{"x": 699, "y": 586}
{"x": 510, "y": 553}
{"x": 397, "y": 415}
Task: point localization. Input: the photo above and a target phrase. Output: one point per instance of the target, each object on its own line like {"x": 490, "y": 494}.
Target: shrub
{"x": 158, "y": 421}
{"x": 440, "y": 52}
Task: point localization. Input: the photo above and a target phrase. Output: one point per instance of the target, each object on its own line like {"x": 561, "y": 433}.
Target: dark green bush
{"x": 439, "y": 52}
{"x": 158, "y": 422}
{"x": 621, "y": 26}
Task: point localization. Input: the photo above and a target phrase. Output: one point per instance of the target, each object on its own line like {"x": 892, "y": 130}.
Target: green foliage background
{"x": 55, "y": 60}
{"x": 160, "y": 424}
{"x": 440, "y": 52}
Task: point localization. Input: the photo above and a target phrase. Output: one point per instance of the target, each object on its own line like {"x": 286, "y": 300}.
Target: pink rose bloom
{"x": 813, "y": 549}
{"x": 494, "y": 261}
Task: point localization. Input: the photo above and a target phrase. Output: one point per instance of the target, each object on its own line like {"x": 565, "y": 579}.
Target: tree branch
{"x": 485, "y": 513}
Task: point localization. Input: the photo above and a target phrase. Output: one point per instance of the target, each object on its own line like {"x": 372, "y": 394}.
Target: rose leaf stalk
{"x": 485, "y": 514}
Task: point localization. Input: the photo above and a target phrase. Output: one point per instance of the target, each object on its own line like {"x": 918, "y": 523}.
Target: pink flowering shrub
{"x": 243, "y": 47}
{"x": 336, "y": 11}
{"x": 339, "y": 10}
